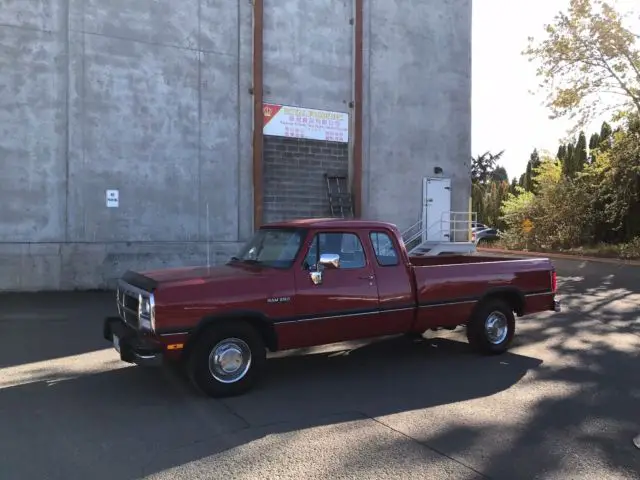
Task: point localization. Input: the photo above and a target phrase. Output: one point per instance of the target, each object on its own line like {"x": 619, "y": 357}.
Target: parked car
{"x": 313, "y": 282}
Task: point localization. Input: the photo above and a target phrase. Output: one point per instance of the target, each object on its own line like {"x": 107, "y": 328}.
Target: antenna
{"x": 208, "y": 244}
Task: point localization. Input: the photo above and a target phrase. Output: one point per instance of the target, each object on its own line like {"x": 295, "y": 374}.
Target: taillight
{"x": 554, "y": 281}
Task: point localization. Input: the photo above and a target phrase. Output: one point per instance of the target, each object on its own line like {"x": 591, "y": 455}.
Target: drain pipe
{"x": 356, "y": 186}
{"x": 258, "y": 115}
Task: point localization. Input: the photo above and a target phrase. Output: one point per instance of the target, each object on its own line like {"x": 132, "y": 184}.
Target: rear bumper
{"x": 132, "y": 347}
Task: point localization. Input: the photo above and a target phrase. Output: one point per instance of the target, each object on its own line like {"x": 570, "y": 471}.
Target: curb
{"x": 563, "y": 256}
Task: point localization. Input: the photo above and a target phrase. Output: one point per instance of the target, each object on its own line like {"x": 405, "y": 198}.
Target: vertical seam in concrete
{"x": 369, "y": 57}
{"x": 238, "y": 127}
{"x": 357, "y": 154}
{"x": 83, "y": 142}
{"x": 199, "y": 90}
{"x": 67, "y": 84}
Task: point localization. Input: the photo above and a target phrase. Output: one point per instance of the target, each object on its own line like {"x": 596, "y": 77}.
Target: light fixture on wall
{"x": 437, "y": 170}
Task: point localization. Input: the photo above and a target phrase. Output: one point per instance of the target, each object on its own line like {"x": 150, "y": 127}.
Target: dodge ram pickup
{"x": 313, "y": 282}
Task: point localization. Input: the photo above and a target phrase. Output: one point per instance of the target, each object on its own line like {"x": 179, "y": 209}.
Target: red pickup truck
{"x": 313, "y": 282}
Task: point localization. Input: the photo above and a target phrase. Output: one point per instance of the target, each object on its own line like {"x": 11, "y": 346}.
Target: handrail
{"x": 449, "y": 222}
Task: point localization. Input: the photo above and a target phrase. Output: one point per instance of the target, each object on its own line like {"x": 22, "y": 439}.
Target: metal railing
{"x": 457, "y": 226}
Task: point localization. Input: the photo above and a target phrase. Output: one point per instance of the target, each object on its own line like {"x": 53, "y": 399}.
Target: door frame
{"x": 425, "y": 203}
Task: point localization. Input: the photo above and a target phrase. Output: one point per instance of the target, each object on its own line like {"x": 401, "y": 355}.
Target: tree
{"x": 530, "y": 173}
{"x": 605, "y": 136}
{"x": 500, "y": 174}
{"x": 569, "y": 163}
{"x": 483, "y": 166}
{"x": 587, "y": 53}
{"x": 580, "y": 153}
{"x": 562, "y": 153}
{"x": 513, "y": 187}
{"x": 527, "y": 178}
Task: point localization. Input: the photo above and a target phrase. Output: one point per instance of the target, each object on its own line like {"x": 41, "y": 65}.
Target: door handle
{"x": 367, "y": 277}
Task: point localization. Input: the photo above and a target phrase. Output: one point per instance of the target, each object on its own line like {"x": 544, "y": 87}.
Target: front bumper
{"x": 132, "y": 347}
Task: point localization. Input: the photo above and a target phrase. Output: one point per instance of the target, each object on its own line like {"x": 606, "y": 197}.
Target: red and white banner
{"x": 294, "y": 122}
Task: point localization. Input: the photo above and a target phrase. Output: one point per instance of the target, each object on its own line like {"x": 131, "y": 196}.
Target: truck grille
{"x": 128, "y": 303}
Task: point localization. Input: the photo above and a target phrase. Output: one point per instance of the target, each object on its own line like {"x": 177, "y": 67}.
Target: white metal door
{"x": 436, "y": 209}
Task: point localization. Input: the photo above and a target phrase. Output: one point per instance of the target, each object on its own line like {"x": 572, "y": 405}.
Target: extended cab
{"x": 313, "y": 282}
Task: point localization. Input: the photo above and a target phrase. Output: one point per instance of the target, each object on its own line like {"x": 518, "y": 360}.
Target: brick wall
{"x": 294, "y": 168}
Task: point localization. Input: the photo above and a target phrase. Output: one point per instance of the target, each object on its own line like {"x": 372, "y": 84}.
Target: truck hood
{"x": 152, "y": 279}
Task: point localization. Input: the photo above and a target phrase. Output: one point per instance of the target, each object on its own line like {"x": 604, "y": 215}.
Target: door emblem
{"x": 278, "y": 300}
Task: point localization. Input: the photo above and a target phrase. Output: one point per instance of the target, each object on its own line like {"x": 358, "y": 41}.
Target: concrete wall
{"x": 148, "y": 97}
{"x": 417, "y": 89}
{"x": 152, "y": 98}
{"x": 308, "y": 53}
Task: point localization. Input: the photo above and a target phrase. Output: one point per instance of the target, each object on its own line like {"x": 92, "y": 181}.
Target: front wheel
{"x": 227, "y": 359}
{"x": 492, "y": 327}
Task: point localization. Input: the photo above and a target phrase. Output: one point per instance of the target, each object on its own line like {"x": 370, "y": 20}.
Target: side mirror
{"x": 327, "y": 260}
{"x": 330, "y": 260}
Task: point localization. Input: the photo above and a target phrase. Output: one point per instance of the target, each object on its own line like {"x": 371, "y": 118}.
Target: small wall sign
{"x": 113, "y": 198}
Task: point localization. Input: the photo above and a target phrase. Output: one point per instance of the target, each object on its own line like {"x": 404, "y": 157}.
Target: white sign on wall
{"x": 113, "y": 199}
{"x": 294, "y": 122}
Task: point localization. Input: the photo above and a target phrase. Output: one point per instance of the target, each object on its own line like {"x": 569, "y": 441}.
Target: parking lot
{"x": 564, "y": 404}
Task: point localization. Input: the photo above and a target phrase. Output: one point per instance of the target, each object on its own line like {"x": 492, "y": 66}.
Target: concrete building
{"x": 152, "y": 103}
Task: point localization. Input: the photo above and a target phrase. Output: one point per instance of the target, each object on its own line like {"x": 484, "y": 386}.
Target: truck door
{"x": 332, "y": 303}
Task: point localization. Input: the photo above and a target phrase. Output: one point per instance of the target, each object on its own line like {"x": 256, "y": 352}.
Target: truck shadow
{"x": 154, "y": 413}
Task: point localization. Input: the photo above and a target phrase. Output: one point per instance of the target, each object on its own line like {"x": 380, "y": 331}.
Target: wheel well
{"x": 512, "y": 297}
{"x": 262, "y": 325}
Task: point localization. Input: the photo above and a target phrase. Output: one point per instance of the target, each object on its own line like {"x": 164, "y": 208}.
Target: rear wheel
{"x": 492, "y": 327}
{"x": 227, "y": 359}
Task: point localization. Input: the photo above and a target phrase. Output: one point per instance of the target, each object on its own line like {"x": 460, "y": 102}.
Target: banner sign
{"x": 294, "y": 122}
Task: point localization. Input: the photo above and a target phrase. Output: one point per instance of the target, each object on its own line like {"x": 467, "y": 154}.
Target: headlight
{"x": 146, "y": 313}
{"x": 145, "y": 306}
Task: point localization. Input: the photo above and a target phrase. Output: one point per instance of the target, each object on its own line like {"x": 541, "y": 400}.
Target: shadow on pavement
{"x": 572, "y": 416}
{"x": 45, "y": 326}
{"x": 133, "y": 421}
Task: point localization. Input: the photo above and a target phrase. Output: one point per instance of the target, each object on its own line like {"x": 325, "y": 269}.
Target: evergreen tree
{"x": 527, "y": 177}
{"x": 568, "y": 164}
{"x": 500, "y": 174}
{"x": 580, "y": 153}
{"x": 605, "y": 136}
{"x": 512, "y": 187}
{"x": 562, "y": 153}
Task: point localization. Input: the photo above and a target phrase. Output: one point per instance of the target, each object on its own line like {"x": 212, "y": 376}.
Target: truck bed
{"x": 449, "y": 287}
{"x": 456, "y": 260}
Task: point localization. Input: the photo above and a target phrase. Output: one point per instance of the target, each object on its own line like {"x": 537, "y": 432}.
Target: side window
{"x": 347, "y": 245}
{"x": 383, "y": 247}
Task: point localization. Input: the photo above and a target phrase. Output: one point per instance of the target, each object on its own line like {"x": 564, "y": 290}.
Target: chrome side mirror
{"x": 330, "y": 260}
{"x": 327, "y": 260}
{"x": 316, "y": 277}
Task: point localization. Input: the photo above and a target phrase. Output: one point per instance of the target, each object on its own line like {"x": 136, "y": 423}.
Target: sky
{"x": 505, "y": 115}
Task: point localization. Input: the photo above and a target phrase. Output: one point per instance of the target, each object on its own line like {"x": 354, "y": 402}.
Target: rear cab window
{"x": 384, "y": 249}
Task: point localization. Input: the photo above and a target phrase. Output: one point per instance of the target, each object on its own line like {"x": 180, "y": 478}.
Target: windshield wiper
{"x": 251, "y": 261}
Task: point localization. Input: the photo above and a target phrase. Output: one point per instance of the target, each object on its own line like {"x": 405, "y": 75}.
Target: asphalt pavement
{"x": 563, "y": 404}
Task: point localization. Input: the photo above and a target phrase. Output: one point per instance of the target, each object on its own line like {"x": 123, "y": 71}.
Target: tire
{"x": 245, "y": 358}
{"x": 480, "y": 334}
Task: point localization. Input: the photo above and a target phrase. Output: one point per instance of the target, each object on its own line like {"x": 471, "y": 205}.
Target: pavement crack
{"x": 426, "y": 445}
{"x": 235, "y": 414}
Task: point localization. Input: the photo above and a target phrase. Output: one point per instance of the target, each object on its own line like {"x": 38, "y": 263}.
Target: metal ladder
{"x": 340, "y": 200}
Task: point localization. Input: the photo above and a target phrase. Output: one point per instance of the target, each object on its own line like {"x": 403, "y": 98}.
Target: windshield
{"x": 275, "y": 247}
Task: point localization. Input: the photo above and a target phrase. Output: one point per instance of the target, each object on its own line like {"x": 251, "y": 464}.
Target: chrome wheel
{"x": 230, "y": 360}
{"x": 496, "y": 327}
